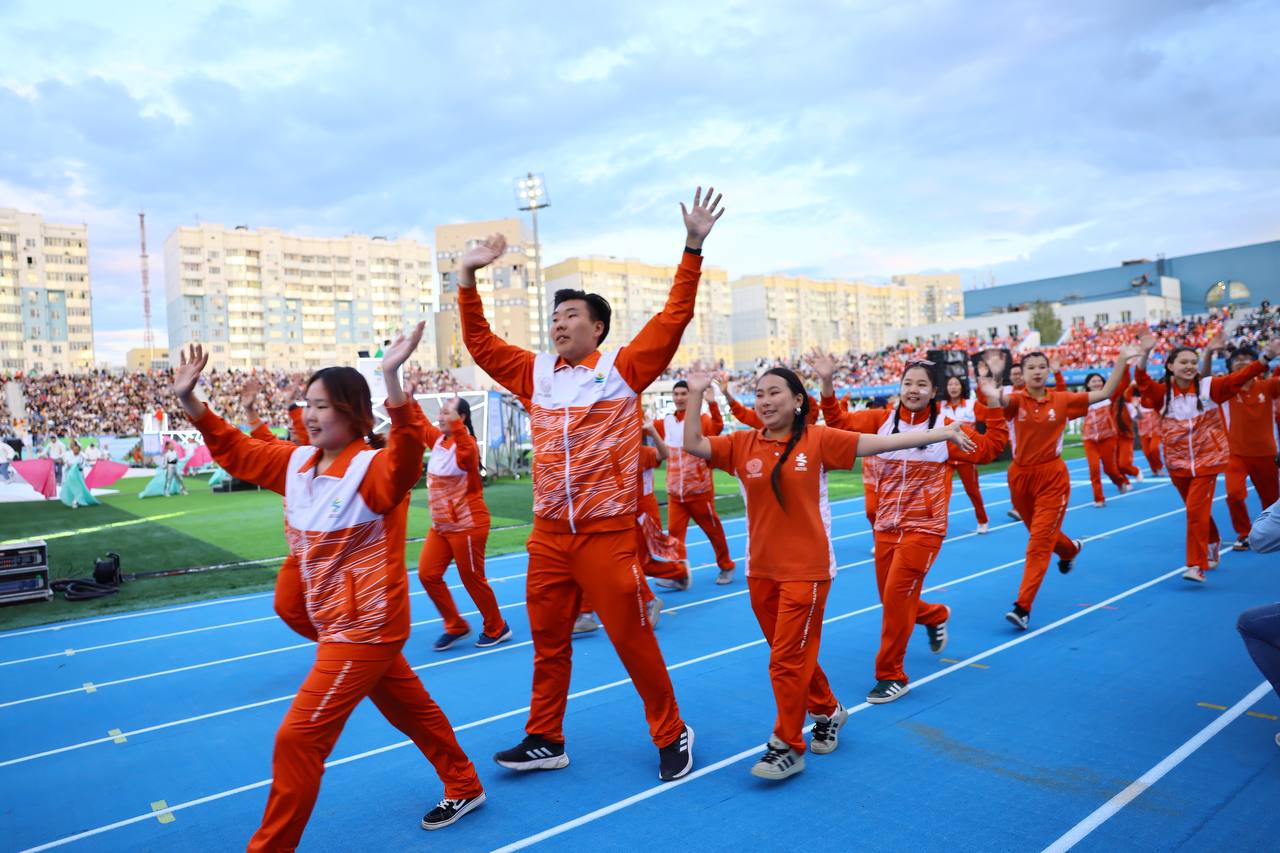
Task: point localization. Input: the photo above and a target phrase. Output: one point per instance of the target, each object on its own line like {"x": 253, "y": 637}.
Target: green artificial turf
{"x": 207, "y": 529}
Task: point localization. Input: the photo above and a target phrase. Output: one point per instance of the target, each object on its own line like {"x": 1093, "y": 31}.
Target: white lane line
{"x": 649, "y": 793}
{"x": 630, "y": 800}
{"x": 1111, "y": 807}
{"x": 78, "y": 623}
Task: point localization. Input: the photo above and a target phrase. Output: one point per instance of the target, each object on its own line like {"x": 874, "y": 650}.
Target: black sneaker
{"x": 938, "y": 635}
{"x": 1066, "y": 565}
{"x": 449, "y": 811}
{"x": 1241, "y": 544}
{"x": 887, "y": 691}
{"x": 534, "y": 753}
{"x": 484, "y": 641}
{"x": 446, "y": 640}
{"x": 1013, "y": 513}
{"x": 676, "y": 758}
{"x": 1018, "y": 617}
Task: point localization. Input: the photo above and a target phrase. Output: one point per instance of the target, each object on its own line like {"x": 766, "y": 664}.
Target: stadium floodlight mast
{"x": 531, "y": 195}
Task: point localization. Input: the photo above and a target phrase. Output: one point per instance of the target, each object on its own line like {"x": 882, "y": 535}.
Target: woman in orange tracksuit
{"x": 1100, "y": 432}
{"x": 346, "y": 504}
{"x": 1039, "y": 484}
{"x": 1194, "y": 437}
{"x": 1251, "y": 439}
{"x": 1126, "y": 415}
{"x": 782, "y": 468}
{"x": 1149, "y": 435}
{"x": 911, "y": 521}
{"x": 459, "y": 528}
{"x": 962, "y": 409}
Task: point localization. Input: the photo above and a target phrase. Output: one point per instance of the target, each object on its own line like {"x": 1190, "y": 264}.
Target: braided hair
{"x": 795, "y": 386}
{"x": 463, "y": 408}
{"x": 1169, "y": 381}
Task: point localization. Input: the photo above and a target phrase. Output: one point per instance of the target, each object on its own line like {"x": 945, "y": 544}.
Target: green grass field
{"x": 207, "y": 529}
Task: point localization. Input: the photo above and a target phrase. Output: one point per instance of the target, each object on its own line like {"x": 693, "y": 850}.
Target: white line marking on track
{"x": 1111, "y": 807}
{"x": 652, "y": 791}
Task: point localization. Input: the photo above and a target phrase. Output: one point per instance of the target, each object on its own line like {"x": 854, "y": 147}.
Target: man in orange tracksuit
{"x": 691, "y": 490}
{"x": 1252, "y": 442}
{"x": 584, "y": 423}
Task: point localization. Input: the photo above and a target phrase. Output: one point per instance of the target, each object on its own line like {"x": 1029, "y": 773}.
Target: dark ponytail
{"x": 464, "y": 411}
{"x": 1169, "y": 382}
{"x": 795, "y": 386}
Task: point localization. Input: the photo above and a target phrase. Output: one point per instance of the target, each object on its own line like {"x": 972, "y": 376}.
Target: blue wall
{"x": 1258, "y": 266}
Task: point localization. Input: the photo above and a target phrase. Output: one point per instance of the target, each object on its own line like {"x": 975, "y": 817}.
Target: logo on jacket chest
{"x": 335, "y": 508}
{"x": 802, "y": 462}
{"x": 754, "y": 467}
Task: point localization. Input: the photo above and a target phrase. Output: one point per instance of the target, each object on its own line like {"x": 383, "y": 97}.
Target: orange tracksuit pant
{"x": 1266, "y": 482}
{"x": 1151, "y": 450}
{"x": 313, "y": 722}
{"x": 790, "y": 615}
{"x": 466, "y": 550}
{"x": 969, "y": 477}
{"x": 562, "y": 568}
{"x": 702, "y": 510}
{"x": 903, "y": 558}
{"x": 1040, "y": 494}
{"x": 1104, "y": 451}
{"x": 1124, "y": 455}
{"x": 1203, "y": 539}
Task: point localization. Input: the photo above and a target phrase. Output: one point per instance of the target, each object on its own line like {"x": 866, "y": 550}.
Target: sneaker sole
{"x": 688, "y": 764}
{"x": 469, "y": 807}
{"x": 555, "y": 762}
{"x": 1013, "y": 620}
{"x": 504, "y": 638}
{"x": 885, "y": 700}
{"x": 767, "y": 771}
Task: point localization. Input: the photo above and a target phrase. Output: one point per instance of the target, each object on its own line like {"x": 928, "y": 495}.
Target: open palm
{"x": 485, "y": 252}
{"x": 188, "y": 372}
{"x": 401, "y": 348}
{"x": 702, "y": 217}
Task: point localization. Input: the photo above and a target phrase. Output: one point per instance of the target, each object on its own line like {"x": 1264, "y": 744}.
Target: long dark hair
{"x": 1090, "y": 376}
{"x": 795, "y": 386}
{"x": 349, "y": 394}
{"x": 933, "y": 400}
{"x": 1169, "y": 381}
{"x": 464, "y": 411}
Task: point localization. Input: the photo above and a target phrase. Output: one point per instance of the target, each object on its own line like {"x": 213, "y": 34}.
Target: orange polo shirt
{"x": 789, "y": 541}
{"x": 1037, "y": 425}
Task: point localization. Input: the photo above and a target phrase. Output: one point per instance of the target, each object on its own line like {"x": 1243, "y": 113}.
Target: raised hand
{"x": 699, "y": 381}
{"x": 989, "y": 390}
{"x": 1129, "y": 352}
{"x": 192, "y": 363}
{"x": 249, "y": 393}
{"x": 995, "y": 361}
{"x": 824, "y": 365}
{"x": 1217, "y": 342}
{"x": 701, "y": 218}
{"x": 722, "y": 380}
{"x": 479, "y": 256}
{"x": 1055, "y": 366}
{"x": 648, "y": 425}
{"x": 1147, "y": 342}
{"x": 401, "y": 348}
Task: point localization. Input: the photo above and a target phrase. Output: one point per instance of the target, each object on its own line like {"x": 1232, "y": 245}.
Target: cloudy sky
{"x": 1004, "y": 141}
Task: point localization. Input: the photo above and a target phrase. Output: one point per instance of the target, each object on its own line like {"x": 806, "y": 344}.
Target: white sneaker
{"x": 873, "y": 550}
{"x": 983, "y": 528}
{"x": 1099, "y": 504}
{"x": 1194, "y": 573}
{"x": 1124, "y": 488}
{"x": 585, "y": 624}
{"x": 778, "y": 762}
{"x": 1138, "y": 477}
{"x": 825, "y": 736}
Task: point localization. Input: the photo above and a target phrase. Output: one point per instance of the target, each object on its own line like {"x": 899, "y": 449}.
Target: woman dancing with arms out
{"x": 911, "y": 521}
{"x": 346, "y": 497}
{"x": 1039, "y": 484}
{"x": 963, "y": 409}
{"x": 1194, "y": 436}
{"x": 791, "y": 562}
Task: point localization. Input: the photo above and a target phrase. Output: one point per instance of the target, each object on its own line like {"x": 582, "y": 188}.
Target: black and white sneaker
{"x": 1241, "y": 544}
{"x": 676, "y": 758}
{"x": 778, "y": 762}
{"x": 450, "y": 811}
{"x": 825, "y": 736}
{"x": 1066, "y": 565}
{"x": 1018, "y": 617}
{"x": 887, "y": 691}
{"x": 484, "y": 641}
{"x": 534, "y": 753}
{"x": 938, "y": 634}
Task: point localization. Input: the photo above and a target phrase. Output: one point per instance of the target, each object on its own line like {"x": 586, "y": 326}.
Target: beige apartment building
{"x": 636, "y": 291}
{"x": 46, "y": 306}
{"x": 262, "y": 298}
{"x": 141, "y": 359}
{"x": 778, "y": 317}
{"x": 506, "y": 288}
